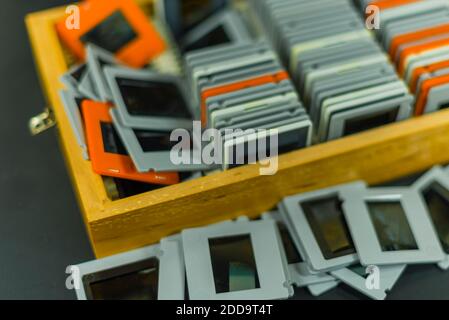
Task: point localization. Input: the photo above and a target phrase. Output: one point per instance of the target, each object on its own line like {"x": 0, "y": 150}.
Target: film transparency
{"x": 151, "y": 273}
{"x": 225, "y": 27}
{"x": 108, "y": 155}
{"x": 320, "y": 229}
{"x": 147, "y": 100}
{"x": 240, "y": 260}
{"x": 434, "y": 189}
{"x": 391, "y": 226}
{"x": 119, "y": 27}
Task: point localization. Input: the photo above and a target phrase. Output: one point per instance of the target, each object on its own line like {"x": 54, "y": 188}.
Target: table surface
{"x": 41, "y": 230}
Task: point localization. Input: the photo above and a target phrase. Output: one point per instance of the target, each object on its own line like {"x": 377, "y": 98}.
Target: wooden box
{"x": 376, "y": 156}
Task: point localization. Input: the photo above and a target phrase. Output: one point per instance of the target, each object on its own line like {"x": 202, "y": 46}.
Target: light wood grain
{"x": 115, "y": 226}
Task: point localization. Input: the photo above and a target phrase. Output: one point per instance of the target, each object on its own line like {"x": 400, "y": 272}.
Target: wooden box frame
{"x": 375, "y": 156}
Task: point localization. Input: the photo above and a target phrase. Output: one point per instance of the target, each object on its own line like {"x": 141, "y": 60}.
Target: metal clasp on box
{"x": 42, "y": 122}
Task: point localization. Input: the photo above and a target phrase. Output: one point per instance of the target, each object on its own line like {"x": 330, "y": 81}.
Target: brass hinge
{"x": 42, "y": 122}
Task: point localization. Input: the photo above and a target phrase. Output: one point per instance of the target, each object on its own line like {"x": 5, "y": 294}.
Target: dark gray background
{"x": 41, "y": 231}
